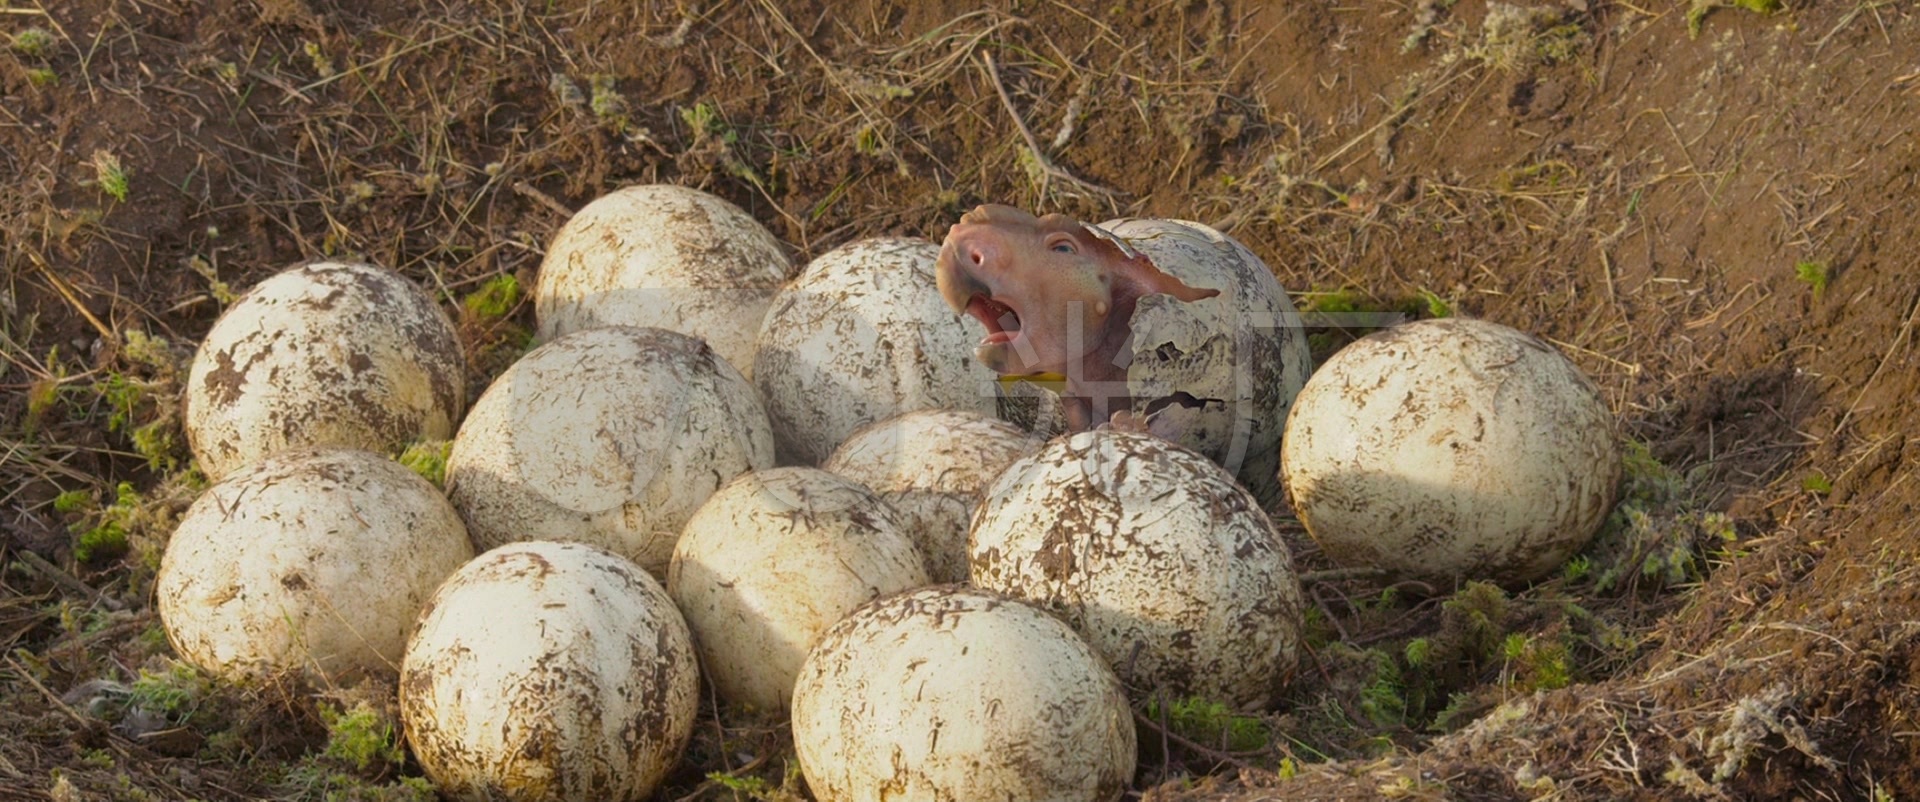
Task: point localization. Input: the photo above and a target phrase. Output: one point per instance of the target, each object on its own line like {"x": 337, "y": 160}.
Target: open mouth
{"x": 1003, "y": 324}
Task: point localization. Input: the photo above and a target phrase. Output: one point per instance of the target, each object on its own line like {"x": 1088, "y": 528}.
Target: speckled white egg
{"x": 772, "y": 560}
{"x": 611, "y": 436}
{"x": 327, "y": 353}
{"x": 1451, "y": 449}
{"x": 1154, "y": 554}
{"x": 1241, "y": 355}
{"x": 664, "y": 256}
{"x": 312, "y": 561}
{"x": 862, "y": 335}
{"x": 549, "y": 671}
{"x": 952, "y": 693}
{"x": 1231, "y": 364}
{"x": 934, "y": 466}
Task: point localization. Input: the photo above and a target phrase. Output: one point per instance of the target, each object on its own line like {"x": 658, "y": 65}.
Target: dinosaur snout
{"x": 958, "y": 271}
{"x": 980, "y": 253}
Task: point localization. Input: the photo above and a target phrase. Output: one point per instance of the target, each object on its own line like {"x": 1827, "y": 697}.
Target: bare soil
{"x": 1714, "y": 215}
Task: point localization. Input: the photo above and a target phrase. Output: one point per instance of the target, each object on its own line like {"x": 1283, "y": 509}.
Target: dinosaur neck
{"x": 1102, "y": 378}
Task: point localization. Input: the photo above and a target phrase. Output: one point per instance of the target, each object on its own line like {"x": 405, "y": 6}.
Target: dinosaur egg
{"x": 611, "y": 436}
{"x": 312, "y": 561}
{"x": 1239, "y": 357}
{"x": 1154, "y": 555}
{"x": 328, "y": 353}
{"x": 771, "y": 561}
{"x": 862, "y": 335}
{"x": 955, "y": 693}
{"x": 664, "y": 256}
{"x": 1451, "y": 449}
{"x": 933, "y": 465}
{"x": 549, "y": 671}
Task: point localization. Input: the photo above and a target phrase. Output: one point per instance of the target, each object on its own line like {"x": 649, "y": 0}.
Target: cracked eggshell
{"x": 313, "y": 561}
{"x": 863, "y": 335}
{"x": 771, "y": 561}
{"x": 934, "y": 466}
{"x": 1452, "y": 449}
{"x": 327, "y": 353}
{"x": 952, "y": 693}
{"x": 1154, "y": 554}
{"x": 549, "y": 671}
{"x": 665, "y": 256}
{"x": 611, "y": 436}
{"x": 1243, "y": 351}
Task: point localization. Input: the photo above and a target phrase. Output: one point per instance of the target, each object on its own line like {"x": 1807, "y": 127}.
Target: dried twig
{"x": 54, "y": 574}
{"x": 530, "y": 191}
{"x": 1343, "y": 574}
{"x": 1167, "y": 734}
{"x": 66, "y": 292}
{"x": 1048, "y": 169}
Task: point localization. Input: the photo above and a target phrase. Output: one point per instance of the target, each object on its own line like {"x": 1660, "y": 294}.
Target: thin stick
{"x": 72, "y": 300}
{"x": 59, "y": 577}
{"x": 528, "y": 190}
{"x": 58, "y": 703}
{"x": 1342, "y": 574}
{"x": 1899, "y": 339}
{"x": 1167, "y": 734}
{"x": 1033, "y": 145}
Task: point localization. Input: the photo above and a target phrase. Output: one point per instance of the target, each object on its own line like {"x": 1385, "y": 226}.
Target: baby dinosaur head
{"x": 1053, "y": 293}
{"x": 1040, "y": 285}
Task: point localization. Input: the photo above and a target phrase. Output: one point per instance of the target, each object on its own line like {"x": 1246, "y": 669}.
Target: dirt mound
{"x": 1708, "y": 207}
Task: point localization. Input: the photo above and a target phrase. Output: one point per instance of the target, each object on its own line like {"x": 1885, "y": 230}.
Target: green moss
{"x": 111, "y": 175}
{"x": 313, "y": 781}
{"x": 32, "y": 42}
{"x": 1657, "y": 536}
{"x": 1418, "y": 652}
{"x": 1383, "y": 699}
{"x": 176, "y": 693}
{"x": 361, "y": 737}
{"x": 139, "y": 400}
{"x": 1207, "y": 721}
{"x": 1817, "y": 483}
{"x": 429, "y": 459}
{"x": 494, "y": 299}
{"x": 1815, "y": 275}
{"x": 759, "y": 789}
{"x": 107, "y": 537}
{"x": 1697, "y": 13}
{"x": 704, "y": 118}
{"x": 1536, "y": 662}
{"x": 153, "y": 639}
{"x": 1475, "y": 620}
{"x": 73, "y": 501}
{"x": 866, "y": 141}
{"x": 1336, "y": 302}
